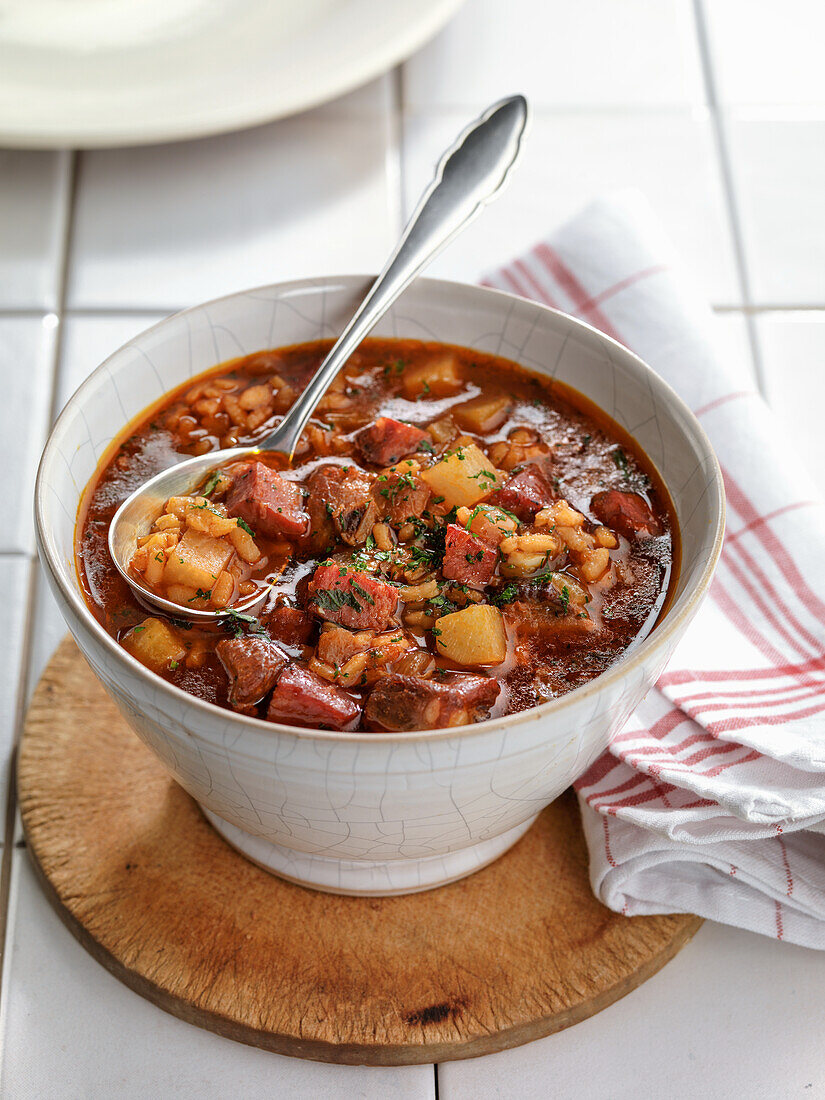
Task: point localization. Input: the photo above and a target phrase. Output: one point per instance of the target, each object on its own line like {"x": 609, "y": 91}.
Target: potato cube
{"x": 436, "y": 377}
{"x": 463, "y": 477}
{"x": 474, "y": 636}
{"x": 484, "y": 413}
{"x": 155, "y": 644}
{"x": 197, "y": 561}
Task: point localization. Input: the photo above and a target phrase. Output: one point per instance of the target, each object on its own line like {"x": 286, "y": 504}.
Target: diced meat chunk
{"x": 403, "y": 703}
{"x": 401, "y": 496}
{"x": 387, "y": 441}
{"x": 289, "y": 625}
{"x": 301, "y": 698}
{"x": 352, "y": 598}
{"x": 467, "y": 558}
{"x": 270, "y": 504}
{"x": 627, "y": 513}
{"x": 252, "y": 663}
{"x": 343, "y": 494}
{"x": 527, "y": 492}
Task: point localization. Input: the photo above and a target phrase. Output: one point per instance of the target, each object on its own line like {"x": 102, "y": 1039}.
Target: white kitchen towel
{"x": 712, "y": 799}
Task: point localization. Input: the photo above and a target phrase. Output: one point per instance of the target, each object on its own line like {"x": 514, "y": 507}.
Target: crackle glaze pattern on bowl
{"x": 370, "y": 813}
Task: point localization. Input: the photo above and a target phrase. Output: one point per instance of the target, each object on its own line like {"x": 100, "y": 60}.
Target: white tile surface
{"x": 765, "y": 53}
{"x": 779, "y": 174}
{"x": 590, "y": 53}
{"x": 793, "y": 352}
{"x": 48, "y": 629}
{"x": 569, "y": 159}
{"x": 72, "y": 1030}
{"x": 168, "y": 226}
{"x": 26, "y": 367}
{"x": 33, "y": 211}
{"x": 15, "y": 574}
{"x": 734, "y": 347}
{"x": 733, "y": 1015}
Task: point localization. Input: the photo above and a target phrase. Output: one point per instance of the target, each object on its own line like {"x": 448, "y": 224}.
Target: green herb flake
{"x": 212, "y": 484}
{"x": 506, "y": 595}
{"x": 620, "y": 458}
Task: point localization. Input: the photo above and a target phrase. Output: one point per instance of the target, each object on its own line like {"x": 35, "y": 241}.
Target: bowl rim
{"x": 676, "y": 618}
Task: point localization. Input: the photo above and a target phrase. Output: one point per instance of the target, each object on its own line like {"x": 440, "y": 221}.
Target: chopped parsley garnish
{"x": 620, "y": 458}
{"x": 245, "y": 526}
{"x": 239, "y": 623}
{"x": 333, "y": 599}
{"x": 506, "y": 595}
{"x": 362, "y": 592}
{"x": 212, "y": 484}
{"x": 201, "y": 595}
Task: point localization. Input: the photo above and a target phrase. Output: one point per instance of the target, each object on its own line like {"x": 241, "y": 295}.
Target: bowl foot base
{"x": 362, "y": 877}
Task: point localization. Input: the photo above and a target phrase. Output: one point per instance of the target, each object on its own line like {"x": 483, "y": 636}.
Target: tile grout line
{"x": 728, "y": 186}
{"x": 27, "y": 647}
{"x": 400, "y": 118}
{"x": 26, "y": 653}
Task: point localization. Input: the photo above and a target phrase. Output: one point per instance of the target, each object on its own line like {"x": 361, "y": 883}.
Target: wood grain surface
{"x": 517, "y": 951}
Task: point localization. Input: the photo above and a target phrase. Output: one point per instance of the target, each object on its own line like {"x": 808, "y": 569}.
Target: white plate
{"x": 115, "y": 72}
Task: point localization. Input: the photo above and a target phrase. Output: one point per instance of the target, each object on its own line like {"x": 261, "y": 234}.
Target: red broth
{"x": 458, "y": 538}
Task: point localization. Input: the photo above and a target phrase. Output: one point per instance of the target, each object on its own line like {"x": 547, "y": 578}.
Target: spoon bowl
{"x": 138, "y": 512}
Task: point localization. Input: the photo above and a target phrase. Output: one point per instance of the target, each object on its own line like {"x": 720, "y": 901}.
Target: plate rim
{"x": 351, "y": 73}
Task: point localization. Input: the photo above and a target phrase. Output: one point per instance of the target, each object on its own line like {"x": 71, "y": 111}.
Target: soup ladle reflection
{"x": 470, "y": 174}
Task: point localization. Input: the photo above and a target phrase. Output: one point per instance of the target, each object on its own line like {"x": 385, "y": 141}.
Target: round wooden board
{"x": 517, "y": 951}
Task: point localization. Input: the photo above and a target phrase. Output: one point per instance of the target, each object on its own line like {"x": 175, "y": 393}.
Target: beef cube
{"x": 301, "y": 698}
{"x": 528, "y": 491}
{"x": 252, "y": 663}
{"x": 289, "y": 625}
{"x": 467, "y": 558}
{"x": 627, "y": 513}
{"x": 351, "y": 598}
{"x": 404, "y": 703}
{"x": 270, "y": 505}
{"x": 401, "y": 496}
{"x": 343, "y": 495}
{"x": 387, "y": 440}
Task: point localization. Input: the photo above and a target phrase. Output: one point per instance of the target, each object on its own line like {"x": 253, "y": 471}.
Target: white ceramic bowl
{"x": 371, "y": 813}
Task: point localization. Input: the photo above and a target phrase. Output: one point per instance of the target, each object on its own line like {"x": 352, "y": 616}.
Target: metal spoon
{"x": 470, "y": 174}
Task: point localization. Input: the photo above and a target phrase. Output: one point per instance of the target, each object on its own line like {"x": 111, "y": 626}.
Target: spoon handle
{"x": 470, "y": 174}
